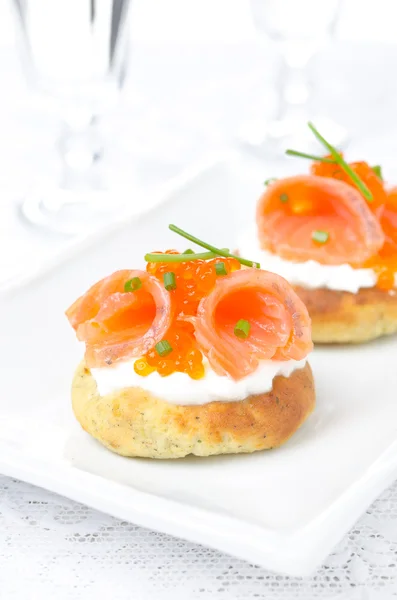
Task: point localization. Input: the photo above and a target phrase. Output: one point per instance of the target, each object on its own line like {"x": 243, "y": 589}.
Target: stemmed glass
{"x": 75, "y": 54}
{"x": 300, "y": 28}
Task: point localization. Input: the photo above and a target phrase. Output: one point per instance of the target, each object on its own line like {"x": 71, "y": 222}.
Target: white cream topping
{"x": 179, "y": 388}
{"x": 309, "y": 274}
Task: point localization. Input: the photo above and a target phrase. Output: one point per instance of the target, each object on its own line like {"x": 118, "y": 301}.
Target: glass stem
{"x": 294, "y": 85}
{"x": 81, "y": 152}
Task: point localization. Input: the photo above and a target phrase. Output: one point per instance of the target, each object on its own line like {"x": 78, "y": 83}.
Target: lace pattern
{"x": 50, "y": 545}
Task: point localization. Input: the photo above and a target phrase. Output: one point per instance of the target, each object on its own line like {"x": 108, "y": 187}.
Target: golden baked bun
{"x": 132, "y": 422}
{"x": 343, "y": 317}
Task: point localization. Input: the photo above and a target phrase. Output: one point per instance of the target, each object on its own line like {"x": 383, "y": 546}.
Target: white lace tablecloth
{"x": 51, "y": 547}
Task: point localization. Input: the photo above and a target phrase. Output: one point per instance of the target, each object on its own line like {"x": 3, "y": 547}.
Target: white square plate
{"x": 284, "y": 509}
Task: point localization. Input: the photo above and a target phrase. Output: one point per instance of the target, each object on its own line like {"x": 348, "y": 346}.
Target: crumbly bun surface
{"x": 343, "y": 317}
{"x": 132, "y": 422}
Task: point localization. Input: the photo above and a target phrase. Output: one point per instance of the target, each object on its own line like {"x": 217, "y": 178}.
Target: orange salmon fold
{"x": 117, "y": 325}
{"x": 291, "y": 209}
{"x": 280, "y": 324}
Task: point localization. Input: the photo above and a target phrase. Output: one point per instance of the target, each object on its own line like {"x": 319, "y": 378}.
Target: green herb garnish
{"x": 343, "y": 164}
{"x": 377, "y": 169}
{"x": 320, "y": 236}
{"x": 132, "y": 285}
{"x": 188, "y": 251}
{"x": 185, "y": 257}
{"x": 242, "y": 329}
{"x": 220, "y": 268}
{"x": 169, "y": 281}
{"x": 269, "y": 181}
{"x": 284, "y": 198}
{"x": 163, "y": 348}
{"x": 177, "y": 258}
{"x": 323, "y": 159}
{"x": 218, "y": 251}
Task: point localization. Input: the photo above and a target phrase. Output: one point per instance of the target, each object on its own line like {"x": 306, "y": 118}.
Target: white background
{"x": 217, "y": 21}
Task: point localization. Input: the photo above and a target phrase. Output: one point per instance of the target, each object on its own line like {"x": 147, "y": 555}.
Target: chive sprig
{"x": 336, "y": 159}
{"x": 177, "y": 258}
{"x": 299, "y": 154}
{"x": 342, "y": 163}
{"x": 189, "y": 255}
{"x": 217, "y": 251}
{"x": 377, "y": 169}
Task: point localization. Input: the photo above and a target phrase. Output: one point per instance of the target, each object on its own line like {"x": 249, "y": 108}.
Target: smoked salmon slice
{"x": 280, "y": 327}
{"x": 389, "y": 225}
{"x": 312, "y": 217}
{"x": 117, "y": 325}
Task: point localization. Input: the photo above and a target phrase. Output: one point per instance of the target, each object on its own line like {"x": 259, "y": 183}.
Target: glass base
{"x": 273, "y": 139}
{"x": 69, "y": 212}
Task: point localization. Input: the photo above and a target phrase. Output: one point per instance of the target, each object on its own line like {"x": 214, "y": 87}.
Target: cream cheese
{"x": 309, "y": 274}
{"x": 179, "y": 388}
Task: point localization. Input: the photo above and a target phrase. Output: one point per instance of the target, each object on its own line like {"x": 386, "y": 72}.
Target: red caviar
{"x": 193, "y": 279}
{"x": 385, "y": 262}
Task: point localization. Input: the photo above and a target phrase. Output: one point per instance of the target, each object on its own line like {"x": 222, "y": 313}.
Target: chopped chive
{"x": 377, "y": 169}
{"x": 320, "y": 236}
{"x": 269, "y": 181}
{"x": 343, "y": 164}
{"x": 163, "y": 348}
{"x": 188, "y": 251}
{"x": 242, "y": 329}
{"x": 219, "y": 251}
{"x": 323, "y": 159}
{"x": 169, "y": 281}
{"x": 220, "y": 268}
{"x": 284, "y": 198}
{"x": 132, "y": 285}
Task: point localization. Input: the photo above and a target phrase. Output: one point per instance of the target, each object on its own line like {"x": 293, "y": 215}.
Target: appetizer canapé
{"x": 333, "y": 235}
{"x": 199, "y": 354}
